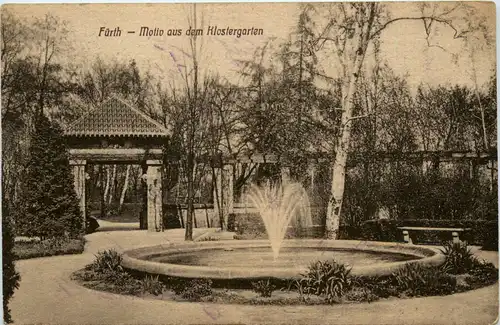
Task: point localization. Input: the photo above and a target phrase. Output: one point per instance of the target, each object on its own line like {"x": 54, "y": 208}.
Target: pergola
{"x": 117, "y": 133}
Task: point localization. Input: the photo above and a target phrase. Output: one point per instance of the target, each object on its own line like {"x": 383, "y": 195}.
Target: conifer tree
{"x": 10, "y": 276}
{"x": 49, "y": 206}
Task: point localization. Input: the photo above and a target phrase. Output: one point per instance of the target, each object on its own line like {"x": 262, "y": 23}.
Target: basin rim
{"x": 136, "y": 259}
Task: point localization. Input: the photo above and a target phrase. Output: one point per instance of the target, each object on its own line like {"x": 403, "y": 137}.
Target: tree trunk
{"x": 352, "y": 72}
{"x": 112, "y": 186}
{"x": 217, "y": 204}
{"x": 337, "y": 188}
{"x": 103, "y": 193}
{"x": 190, "y": 198}
{"x": 124, "y": 190}
{"x": 106, "y": 189}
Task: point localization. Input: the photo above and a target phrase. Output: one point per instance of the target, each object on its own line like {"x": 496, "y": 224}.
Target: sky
{"x": 404, "y": 46}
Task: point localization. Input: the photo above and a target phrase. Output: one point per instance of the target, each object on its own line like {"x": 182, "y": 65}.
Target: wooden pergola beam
{"x": 442, "y": 156}
{"x": 116, "y": 155}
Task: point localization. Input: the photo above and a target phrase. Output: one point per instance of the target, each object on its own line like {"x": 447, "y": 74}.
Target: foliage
{"x": 263, "y": 288}
{"x": 482, "y": 273}
{"x": 11, "y": 278}
{"x": 380, "y": 286}
{"x": 417, "y": 280}
{"x": 284, "y": 111}
{"x": 106, "y": 273}
{"x": 410, "y": 280}
{"x": 488, "y": 234}
{"x": 124, "y": 79}
{"x": 382, "y": 230}
{"x": 405, "y": 192}
{"x": 359, "y": 294}
{"x": 459, "y": 258}
{"x": 481, "y": 231}
{"x": 249, "y": 225}
{"x": 192, "y": 290}
{"x": 327, "y": 278}
{"x": 115, "y": 281}
{"x": 208, "y": 238}
{"x": 48, "y": 206}
{"x": 48, "y": 247}
{"x": 106, "y": 261}
{"x": 32, "y": 82}
{"x": 152, "y": 284}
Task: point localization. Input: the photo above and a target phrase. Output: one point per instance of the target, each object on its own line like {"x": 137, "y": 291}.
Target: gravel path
{"x": 48, "y": 296}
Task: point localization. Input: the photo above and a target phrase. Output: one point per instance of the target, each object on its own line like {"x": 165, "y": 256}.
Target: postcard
{"x": 250, "y": 163}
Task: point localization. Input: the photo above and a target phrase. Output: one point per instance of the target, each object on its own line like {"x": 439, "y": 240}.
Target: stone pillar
{"x": 426, "y": 166}
{"x": 79, "y": 177}
{"x": 406, "y": 236}
{"x": 155, "y": 195}
{"x": 472, "y": 169}
{"x": 312, "y": 173}
{"x": 143, "y": 216}
{"x": 285, "y": 175}
{"x": 228, "y": 191}
{"x": 224, "y": 192}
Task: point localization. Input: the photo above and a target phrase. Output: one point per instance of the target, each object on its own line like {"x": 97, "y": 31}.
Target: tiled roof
{"x": 115, "y": 117}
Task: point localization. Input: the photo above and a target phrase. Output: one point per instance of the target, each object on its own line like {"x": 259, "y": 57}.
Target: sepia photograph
{"x": 249, "y": 163}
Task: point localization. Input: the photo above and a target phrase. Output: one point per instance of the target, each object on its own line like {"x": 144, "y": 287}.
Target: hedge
{"x": 251, "y": 226}
{"x": 49, "y": 247}
{"x": 483, "y": 232}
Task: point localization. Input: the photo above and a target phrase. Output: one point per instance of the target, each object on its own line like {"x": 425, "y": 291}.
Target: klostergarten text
{"x": 148, "y": 31}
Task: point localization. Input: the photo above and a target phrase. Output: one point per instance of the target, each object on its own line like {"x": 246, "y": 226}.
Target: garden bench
{"x": 454, "y": 232}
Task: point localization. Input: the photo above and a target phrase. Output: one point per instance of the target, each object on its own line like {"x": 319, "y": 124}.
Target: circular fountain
{"x": 251, "y": 259}
{"x": 275, "y": 258}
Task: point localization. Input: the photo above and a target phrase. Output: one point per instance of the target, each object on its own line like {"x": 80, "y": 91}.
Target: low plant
{"x": 86, "y": 275}
{"x": 459, "y": 258}
{"x": 109, "y": 275}
{"x": 360, "y": 294}
{"x": 263, "y": 288}
{"x": 329, "y": 279}
{"x": 152, "y": 284}
{"x": 110, "y": 280}
{"x": 482, "y": 273}
{"x": 414, "y": 279}
{"x": 209, "y": 238}
{"x": 192, "y": 290}
{"x": 381, "y": 286}
{"x": 48, "y": 247}
{"x": 106, "y": 261}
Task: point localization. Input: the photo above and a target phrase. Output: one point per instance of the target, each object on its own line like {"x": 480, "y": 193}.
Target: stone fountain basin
{"x": 251, "y": 259}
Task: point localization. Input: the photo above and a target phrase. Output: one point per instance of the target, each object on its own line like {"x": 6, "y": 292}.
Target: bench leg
{"x": 406, "y": 237}
{"x": 455, "y": 237}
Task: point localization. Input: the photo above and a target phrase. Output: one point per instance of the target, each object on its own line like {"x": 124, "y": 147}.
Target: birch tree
{"x": 350, "y": 30}
{"x": 125, "y": 187}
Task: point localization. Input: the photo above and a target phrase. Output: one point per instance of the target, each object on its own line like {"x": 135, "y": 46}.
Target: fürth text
{"x": 104, "y": 31}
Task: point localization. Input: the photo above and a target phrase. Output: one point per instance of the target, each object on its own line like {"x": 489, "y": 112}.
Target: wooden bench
{"x": 454, "y": 232}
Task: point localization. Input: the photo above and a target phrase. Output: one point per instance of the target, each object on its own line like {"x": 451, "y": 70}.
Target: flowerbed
{"x": 48, "y": 247}
{"x": 326, "y": 282}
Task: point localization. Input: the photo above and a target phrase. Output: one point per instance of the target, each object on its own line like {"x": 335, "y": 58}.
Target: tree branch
{"x": 457, "y": 34}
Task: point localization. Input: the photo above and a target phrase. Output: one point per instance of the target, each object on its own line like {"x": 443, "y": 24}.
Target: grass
{"x": 49, "y": 247}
